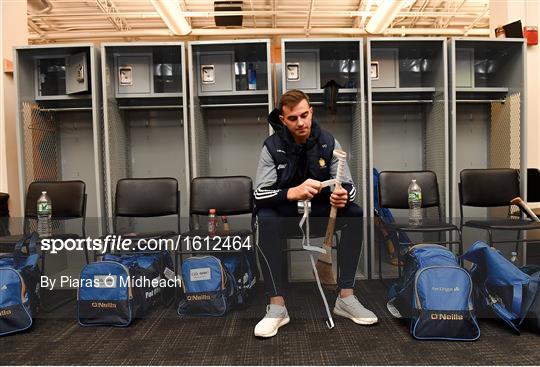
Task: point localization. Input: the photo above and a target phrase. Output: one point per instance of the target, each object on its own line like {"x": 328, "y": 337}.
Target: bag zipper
{"x": 417, "y": 275}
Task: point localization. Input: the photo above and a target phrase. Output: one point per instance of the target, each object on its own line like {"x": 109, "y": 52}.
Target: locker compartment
{"x": 489, "y": 111}
{"x": 309, "y": 65}
{"x": 233, "y": 69}
{"x": 228, "y": 119}
{"x": 60, "y": 133}
{"x": 407, "y": 119}
{"x": 487, "y": 117}
{"x": 61, "y": 76}
{"x": 145, "y": 122}
{"x": 146, "y": 71}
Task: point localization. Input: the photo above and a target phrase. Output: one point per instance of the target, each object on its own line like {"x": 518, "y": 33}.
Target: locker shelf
{"x": 340, "y": 91}
{"x": 483, "y": 90}
{"x": 405, "y": 90}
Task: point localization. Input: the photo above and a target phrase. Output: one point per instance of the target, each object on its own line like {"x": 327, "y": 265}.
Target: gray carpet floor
{"x": 164, "y": 338}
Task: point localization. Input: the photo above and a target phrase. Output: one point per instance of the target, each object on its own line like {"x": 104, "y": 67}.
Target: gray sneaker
{"x": 351, "y": 308}
{"x": 276, "y": 316}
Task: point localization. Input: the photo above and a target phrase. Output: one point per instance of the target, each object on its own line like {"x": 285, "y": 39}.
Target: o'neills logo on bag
{"x": 5, "y": 313}
{"x": 103, "y": 305}
{"x": 199, "y": 297}
{"x": 446, "y": 316}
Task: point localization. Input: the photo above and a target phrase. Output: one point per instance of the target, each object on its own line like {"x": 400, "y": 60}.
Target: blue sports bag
{"x": 434, "y": 296}
{"x": 213, "y": 285}
{"x": 504, "y": 290}
{"x": 120, "y": 288}
{"x": 19, "y": 286}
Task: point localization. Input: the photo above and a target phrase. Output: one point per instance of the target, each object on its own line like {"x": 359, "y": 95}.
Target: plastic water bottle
{"x": 252, "y": 77}
{"x": 415, "y": 204}
{"x": 44, "y": 212}
{"x": 212, "y": 222}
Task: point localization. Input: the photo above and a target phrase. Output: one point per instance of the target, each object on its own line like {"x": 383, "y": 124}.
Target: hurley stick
{"x": 324, "y": 263}
{"x": 525, "y": 208}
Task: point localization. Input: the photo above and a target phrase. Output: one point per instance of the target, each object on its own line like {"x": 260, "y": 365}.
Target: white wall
{"x": 14, "y": 33}
{"x": 528, "y": 11}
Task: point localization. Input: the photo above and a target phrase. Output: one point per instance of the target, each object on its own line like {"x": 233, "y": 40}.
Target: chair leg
{"x": 460, "y": 247}
{"x": 285, "y": 265}
{"x": 380, "y": 261}
{"x": 398, "y": 254}
{"x": 399, "y": 257}
{"x": 516, "y": 249}
{"x": 490, "y": 238}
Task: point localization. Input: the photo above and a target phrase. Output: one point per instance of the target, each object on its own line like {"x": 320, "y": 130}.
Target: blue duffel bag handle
{"x": 20, "y": 257}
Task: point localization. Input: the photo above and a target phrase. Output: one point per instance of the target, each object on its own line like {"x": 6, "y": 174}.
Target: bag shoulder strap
{"x": 530, "y": 296}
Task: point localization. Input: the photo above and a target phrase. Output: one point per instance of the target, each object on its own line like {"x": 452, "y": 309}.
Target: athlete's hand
{"x": 306, "y": 191}
{"x": 339, "y": 197}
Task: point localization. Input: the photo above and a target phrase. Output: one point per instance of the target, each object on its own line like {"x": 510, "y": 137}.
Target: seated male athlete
{"x": 293, "y": 163}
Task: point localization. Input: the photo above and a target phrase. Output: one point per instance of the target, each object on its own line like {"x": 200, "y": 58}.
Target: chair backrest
{"x": 394, "y": 185}
{"x": 488, "y": 187}
{"x": 533, "y": 185}
{"x": 68, "y": 198}
{"x": 147, "y": 197}
{"x": 229, "y": 195}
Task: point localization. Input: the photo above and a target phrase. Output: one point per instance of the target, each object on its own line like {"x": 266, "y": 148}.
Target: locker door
{"x": 76, "y": 73}
{"x": 307, "y": 73}
{"x": 216, "y": 72}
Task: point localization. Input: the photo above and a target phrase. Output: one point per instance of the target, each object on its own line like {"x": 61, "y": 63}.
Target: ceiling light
{"x": 171, "y": 13}
{"x": 385, "y": 14}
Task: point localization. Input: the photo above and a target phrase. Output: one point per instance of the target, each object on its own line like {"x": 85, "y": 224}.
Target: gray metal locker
{"x": 487, "y": 113}
{"x": 228, "y": 116}
{"x": 309, "y": 64}
{"x": 407, "y": 103}
{"x": 145, "y": 110}
{"x": 59, "y": 125}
